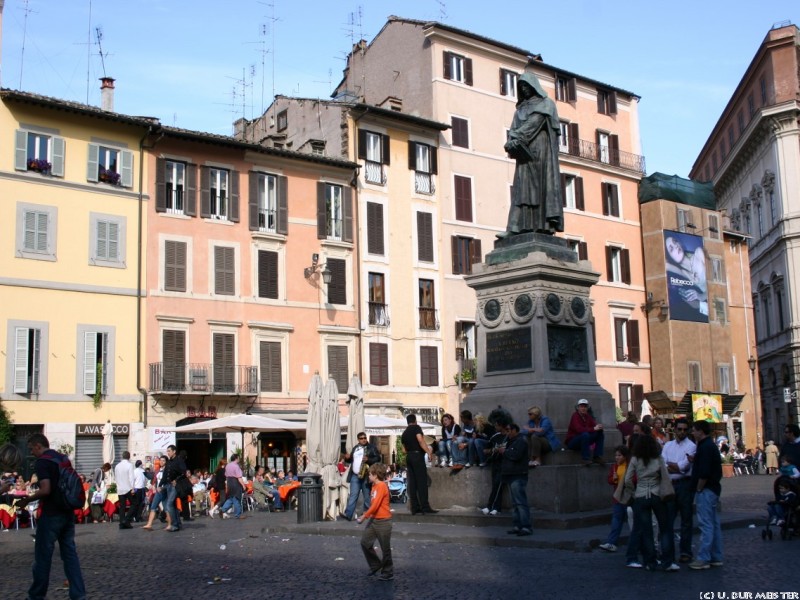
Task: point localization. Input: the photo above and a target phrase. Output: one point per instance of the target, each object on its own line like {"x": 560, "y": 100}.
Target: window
{"x": 112, "y": 166}
{"x": 773, "y": 207}
{"x": 283, "y": 119}
{"x": 608, "y": 148}
{"x": 378, "y": 313}
{"x": 268, "y": 203}
{"x": 267, "y": 274}
{"x": 684, "y": 218}
{"x": 338, "y": 367}
{"x": 175, "y": 182}
{"x": 337, "y": 288}
{"x": 27, "y": 359}
{"x": 176, "y": 190}
{"x": 610, "y": 197}
{"x": 425, "y": 237}
{"x": 224, "y": 270}
{"x": 762, "y": 83}
{"x": 462, "y": 187}
{"x": 270, "y": 367}
{"x": 427, "y": 306}
{"x": 740, "y": 120}
{"x": 606, "y": 102}
{"x": 563, "y": 138}
{"x": 108, "y": 240}
{"x": 35, "y": 239}
{"x": 422, "y": 160}
{"x": 375, "y": 228}
{"x": 465, "y": 335}
{"x": 572, "y": 191}
{"x": 224, "y": 362}
{"x": 429, "y": 366}
{"x": 724, "y": 379}
{"x": 373, "y": 149}
{"x": 626, "y": 337}
{"x": 95, "y": 363}
{"x": 460, "y": 128}
{"x": 36, "y": 228}
{"x": 731, "y": 138}
{"x": 717, "y": 269}
{"x": 466, "y": 252}
{"x": 713, "y": 227}
{"x": 579, "y": 248}
{"x": 751, "y": 105}
{"x": 217, "y": 193}
{"x": 779, "y": 289}
{"x": 174, "y": 266}
{"x": 618, "y": 267}
{"x": 566, "y": 88}
{"x": 39, "y": 152}
{"x": 695, "y": 378}
{"x": 508, "y": 83}
{"x": 457, "y": 68}
{"x": 173, "y": 356}
{"x": 378, "y": 364}
{"x": 766, "y": 303}
{"x": 334, "y": 212}
{"x": 719, "y": 311}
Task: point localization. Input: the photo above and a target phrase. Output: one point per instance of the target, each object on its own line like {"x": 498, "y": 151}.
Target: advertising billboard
{"x": 687, "y": 286}
{"x": 707, "y": 407}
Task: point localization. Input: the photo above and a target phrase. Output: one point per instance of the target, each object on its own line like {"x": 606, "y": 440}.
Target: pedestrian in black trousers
{"x": 414, "y": 443}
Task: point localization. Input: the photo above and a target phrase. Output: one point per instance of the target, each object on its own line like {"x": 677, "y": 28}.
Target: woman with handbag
{"x": 650, "y": 497}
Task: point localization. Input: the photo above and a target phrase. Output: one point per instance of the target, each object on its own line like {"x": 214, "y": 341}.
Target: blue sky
{"x": 185, "y": 62}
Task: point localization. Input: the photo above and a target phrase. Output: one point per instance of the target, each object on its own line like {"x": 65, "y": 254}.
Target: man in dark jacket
{"x": 175, "y": 468}
{"x": 362, "y": 455}
{"x": 706, "y": 482}
{"x": 514, "y": 470}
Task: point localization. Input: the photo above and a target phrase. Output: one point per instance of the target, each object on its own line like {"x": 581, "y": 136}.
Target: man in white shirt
{"x": 139, "y": 485}
{"x": 676, "y": 453}
{"x": 123, "y": 473}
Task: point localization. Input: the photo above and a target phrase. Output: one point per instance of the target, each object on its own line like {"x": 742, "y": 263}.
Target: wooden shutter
{"x": 126, "y": 172}
{"x": 612, "y": 103}
{"x": 267, "y": 274}
{"x": 21, "y": 150}
{"x": 252, "y": 199}
{"x": 475, "y": 255}
{"x": 59, "y": 154}
{"x": 425, "y": 236}
{"x": 619, "y": 339}
{"x": 93, "y": 162}
{"x": 174, "y": 347}
{"x": 613, "y": 200}
{"x": 282, "y": 224}
{"x": 224, "y": 361}
{"x": 583, "y": 251}
{"x": 503, "y": 87}
{"x": 271, "y": 369}
{"x": 362, "y": 144}
{"x": 579, "y": 201}
{"x": 447, "y": 72}
{"x": 174, "y": 266}
{"x": 433, "y": 159}
{"x": 378, "y": 364}
{"x": 90, "y": 362}
{"x": 190, "y": 191}
{"x": 205, "y": 192}
{"x": 574, "y": 140}
{"x": 604, "y": 197}
{"x": 429, "y": 366}
{"x": 347, "y": 214}
{"x": 468, "y": 71}
{"x": 460, "y": 132}
{"x": 625, "y": 265}
{"x": 609, "y": 263}
{"x": 463, "y": 194}
{"x": 573, "y": 92}
{"x": 385, "y": 154}
{"x": 637, "y": 396}
{"x": 412, "y": 156}
{"x": 322, "y": 212}
{"x": 634, "y": 352}
{"x": 161, "y": 185}
{"x": 233, "y": 201}
{"x": 224, "y": 270}
{"x": 613, "y": 149}
{"x": 601, "y": 103}
{"x": 338, "y": 368}
{"x": 337, "y": 288}
{"x": 563, "y": 190}
{"x": 454, "y": 254}
{"x": 375, "y": 228}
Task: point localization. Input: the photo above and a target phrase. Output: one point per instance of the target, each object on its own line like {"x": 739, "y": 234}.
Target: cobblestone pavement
{"x": 249, "y": 559}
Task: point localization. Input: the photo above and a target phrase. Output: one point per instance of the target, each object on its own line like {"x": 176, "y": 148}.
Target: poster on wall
{"x": 707, "y": 407}
{"x": 687, "y": 286}
{"x": 160, "y": 438}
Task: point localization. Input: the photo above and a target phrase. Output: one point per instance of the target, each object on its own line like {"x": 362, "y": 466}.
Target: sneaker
{"x": 608, "y": 547}
{"x": 226, "y": 516}
{"x": 482, "y": 465}
{"x": 468, "y": 465}
{"x": 780, "y": 523}
{"x": 493, "y": 513}
{"x": 385, "y": 577}
{"x": 716, "y": 563}
{"x": 524, "y": 531}
{"x": 698, "y": 565}
{"x": 450, "y": 463}
{"x": 773, "y": 521}
{"x": 673, "y": 567}
{"x": 485, "y": 511}
{"x": 634, "y": 565}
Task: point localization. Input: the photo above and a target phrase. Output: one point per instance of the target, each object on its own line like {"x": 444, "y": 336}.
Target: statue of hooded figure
{"x": 533, "y": 143}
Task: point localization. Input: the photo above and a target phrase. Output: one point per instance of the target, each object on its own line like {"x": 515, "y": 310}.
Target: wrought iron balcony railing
{"x": 374, "y": 173}
{"x": 267, "y": 219}
{"x": 378, "y": 314}
{"x": 423, "y": 183}
{"x": 604, "y": 154}
{"x": 197, "y": 378}
{"x": 428, "y": 319}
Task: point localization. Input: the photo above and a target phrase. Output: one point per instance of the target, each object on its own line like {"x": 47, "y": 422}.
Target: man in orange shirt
{"x": 379, "y": 525}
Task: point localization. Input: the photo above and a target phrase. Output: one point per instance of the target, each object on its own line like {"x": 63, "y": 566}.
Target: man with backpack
{"x": 57, "y": 522}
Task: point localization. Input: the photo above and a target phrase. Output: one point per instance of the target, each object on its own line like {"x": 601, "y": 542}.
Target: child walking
{"x": 379, "y": 525}
{"x": 616, "y": 475}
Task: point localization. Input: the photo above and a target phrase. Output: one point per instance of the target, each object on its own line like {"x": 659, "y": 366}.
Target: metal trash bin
{"x": 309, "y": 498}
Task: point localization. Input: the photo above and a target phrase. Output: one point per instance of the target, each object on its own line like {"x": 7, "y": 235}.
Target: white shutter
{"x": 92, "y": 164}
{"x": 29, "y": 242}
{"x": 90, "y": 362}
{"x": 113, "y": 241}
{"x": 37, "y": 344}
{"x": 21, "y": 150}
{"x": 127, "y": 168}
{"x": 21, "y": 360}
{"x": 42, "y": 223}
{"x": 57, "y": 162}
{"x": 101, "y": 251}
{"x": 104, "y": 362}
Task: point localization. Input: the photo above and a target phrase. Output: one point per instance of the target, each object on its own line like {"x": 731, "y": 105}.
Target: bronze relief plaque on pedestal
{"x": 566, "y": 347}
{"x": 508, "y": 350}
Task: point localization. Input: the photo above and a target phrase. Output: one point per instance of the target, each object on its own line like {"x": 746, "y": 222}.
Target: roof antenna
{"x": 99, "y": 37}
{"x": 27, "y": 10}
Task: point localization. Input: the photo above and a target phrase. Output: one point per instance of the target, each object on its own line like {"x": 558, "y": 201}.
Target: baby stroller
{"x": 397, "y": 490}
{"x": 783, "y": 511}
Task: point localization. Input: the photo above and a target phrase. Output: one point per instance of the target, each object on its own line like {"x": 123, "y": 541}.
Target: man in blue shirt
{"x": 706, "y": 483}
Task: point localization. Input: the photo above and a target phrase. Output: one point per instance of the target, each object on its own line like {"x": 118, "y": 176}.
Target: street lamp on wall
{"x": 663, "y": 307}
{"x": 751, "y": 362}
{"x": 316, "y": 267}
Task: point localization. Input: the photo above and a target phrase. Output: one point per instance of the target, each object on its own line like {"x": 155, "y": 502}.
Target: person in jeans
{"x": 584, "y": 431}
{"x": 619, "y": 511}
{"x": 707, "y": 486}
{"x": 362, "y": 454}
{"x": 234, "y": 479}
{"x": 514, "y": 469}
{"x": 379, "y": 525}
{"x": 542, "y": 438}
{"x": 57, "y": 524}
{"x": 676, "y": 454}
{"x": 174, "y": 469}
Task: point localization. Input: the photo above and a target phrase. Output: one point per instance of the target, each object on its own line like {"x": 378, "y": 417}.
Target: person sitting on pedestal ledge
{"x": 583, "y": 432}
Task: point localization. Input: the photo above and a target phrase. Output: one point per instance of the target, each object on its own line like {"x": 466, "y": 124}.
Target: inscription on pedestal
{"x": 567, "y": 350}
{"x": 508, "y": 350}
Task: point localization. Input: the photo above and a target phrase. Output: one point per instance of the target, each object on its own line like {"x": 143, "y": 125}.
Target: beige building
{"x": 752, "y": 158}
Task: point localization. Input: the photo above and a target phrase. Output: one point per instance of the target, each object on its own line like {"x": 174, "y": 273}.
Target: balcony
{"x": 196, "y": 378}
{"x": 374, "y": 173}
{"x": 423, "y": 183}
{"x": 267, "y": 218}
{"x": 428, "y": 319}
{"x": 603, "y": 154}
{"x": 378, "y": 314}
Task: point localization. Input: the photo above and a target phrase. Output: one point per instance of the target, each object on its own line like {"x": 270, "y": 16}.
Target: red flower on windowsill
{"x": 39, "y": 165}
{"x": 108, "y": 176}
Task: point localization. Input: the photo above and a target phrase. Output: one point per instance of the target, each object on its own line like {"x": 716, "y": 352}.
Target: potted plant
{"x": 727, "y": 465}
{"x": 108, "y": 176}
{"x": 39, "y": 165}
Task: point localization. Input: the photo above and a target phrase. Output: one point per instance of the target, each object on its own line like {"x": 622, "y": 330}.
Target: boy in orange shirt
{"x": 379, "y": 525}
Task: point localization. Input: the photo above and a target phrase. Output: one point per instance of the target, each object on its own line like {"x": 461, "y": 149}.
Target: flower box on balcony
{"x": 39, "y": 165}
{"x": 108, "y": 176}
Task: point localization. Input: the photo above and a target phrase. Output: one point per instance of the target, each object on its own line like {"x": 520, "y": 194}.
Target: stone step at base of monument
{"x": 472, "y": 517}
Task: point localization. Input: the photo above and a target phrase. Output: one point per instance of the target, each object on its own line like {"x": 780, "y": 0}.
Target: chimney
{"x": 107, "y": 93}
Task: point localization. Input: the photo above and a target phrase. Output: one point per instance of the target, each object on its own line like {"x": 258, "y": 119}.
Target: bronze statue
{"x": 533, "y": 143}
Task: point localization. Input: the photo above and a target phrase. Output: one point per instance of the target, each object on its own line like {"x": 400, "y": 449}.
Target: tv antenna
{"x": 264, "y": 32}
{"x": 442, "y": 10}
{"x": 98, "y": 31}
{"x": 26, "y": 10}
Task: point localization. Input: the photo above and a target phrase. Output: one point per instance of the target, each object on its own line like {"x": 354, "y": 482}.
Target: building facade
{"x": 752, "y": 157}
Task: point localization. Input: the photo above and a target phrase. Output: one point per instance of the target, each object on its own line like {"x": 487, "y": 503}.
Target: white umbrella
{"x": 380, "y": 425}
{"x": 108, "y": 443}
{"x": 314, "y": 425}
{"x": 330, "y": 447}
{"x": 240, "y": 424}
{"x": 355, "y": 398}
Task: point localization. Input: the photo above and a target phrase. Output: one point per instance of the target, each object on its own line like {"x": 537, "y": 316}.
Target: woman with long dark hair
{"x": 647, "y": 467}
